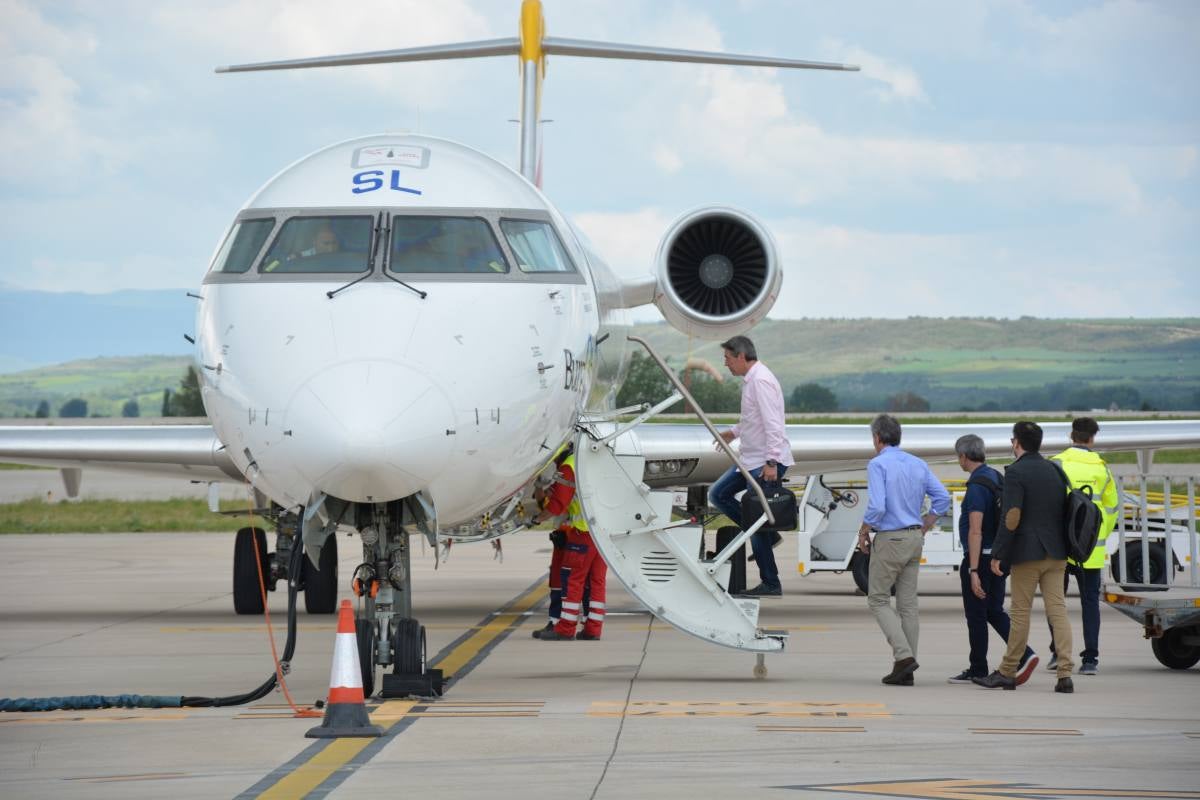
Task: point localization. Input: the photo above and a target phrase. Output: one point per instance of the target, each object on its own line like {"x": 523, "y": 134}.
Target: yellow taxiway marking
{"x": 738, "y": 708}
{"x": 338, "y": 752}
{"x": 309, "y": 775}
{"x": 959, "y": 789}
{"x": 393, "y": 710}
{"x": 1028, "y": 731}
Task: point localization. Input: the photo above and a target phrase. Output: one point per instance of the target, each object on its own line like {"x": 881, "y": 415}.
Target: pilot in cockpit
{"x": 325, "y": 241}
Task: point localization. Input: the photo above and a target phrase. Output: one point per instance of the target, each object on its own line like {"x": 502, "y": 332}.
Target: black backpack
{"x": 1081, "y": 519}
{"x": 997, "y": 490}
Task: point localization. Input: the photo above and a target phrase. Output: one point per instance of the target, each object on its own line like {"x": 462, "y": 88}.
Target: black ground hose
{"x": 174, "y": 701}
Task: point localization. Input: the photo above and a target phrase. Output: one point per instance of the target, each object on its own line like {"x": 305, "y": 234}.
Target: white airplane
{"x": 398, "y": 332}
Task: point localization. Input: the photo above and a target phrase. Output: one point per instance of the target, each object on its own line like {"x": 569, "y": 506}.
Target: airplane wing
{"x": 681, "y": 455}
{"x": 189, "y": 451}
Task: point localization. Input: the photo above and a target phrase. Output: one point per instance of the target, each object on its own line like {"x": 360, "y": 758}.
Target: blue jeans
{"x": 1089, "y": 601}
{"x": 982, "y": 613}
{"x": 721, "y": 496}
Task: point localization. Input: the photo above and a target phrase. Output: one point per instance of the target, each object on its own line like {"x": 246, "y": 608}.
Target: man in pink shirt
{"x": 766, "y": 452}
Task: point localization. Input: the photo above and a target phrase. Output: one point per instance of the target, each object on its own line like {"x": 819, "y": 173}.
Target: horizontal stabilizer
{"x": 439, "y": 52}
{"x": 583, "y": 48}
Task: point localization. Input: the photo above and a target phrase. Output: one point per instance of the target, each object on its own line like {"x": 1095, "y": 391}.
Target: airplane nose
{"x": 370, "y": 431}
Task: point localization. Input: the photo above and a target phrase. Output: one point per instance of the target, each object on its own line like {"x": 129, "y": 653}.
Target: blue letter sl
{"x": 396, "y": 184}
{"x": 368, "y": 181}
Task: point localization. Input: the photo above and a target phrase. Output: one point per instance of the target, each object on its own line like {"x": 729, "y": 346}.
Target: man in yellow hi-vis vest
{"x": 1086, "y": 468}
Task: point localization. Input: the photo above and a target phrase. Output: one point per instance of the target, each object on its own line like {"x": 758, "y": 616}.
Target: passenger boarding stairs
{"x": 660, "y": 560}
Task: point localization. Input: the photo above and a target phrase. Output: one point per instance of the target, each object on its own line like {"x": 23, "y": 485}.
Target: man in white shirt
{"x": 765, "y": 450}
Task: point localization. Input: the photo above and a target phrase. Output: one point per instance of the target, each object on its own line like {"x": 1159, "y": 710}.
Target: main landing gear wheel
{"x": 364, "y": 631}
{"x": 247, "y": 592}
{"x": 408, "y": 647}
{"x": 320, "y": 585}
{"x": 1173, "y": 651}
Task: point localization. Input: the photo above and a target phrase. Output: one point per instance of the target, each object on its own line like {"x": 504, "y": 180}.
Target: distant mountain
{"x": 43, "y": 328}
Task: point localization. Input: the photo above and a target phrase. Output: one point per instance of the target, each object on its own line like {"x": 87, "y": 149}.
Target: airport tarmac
{"x": 645, "y": 712}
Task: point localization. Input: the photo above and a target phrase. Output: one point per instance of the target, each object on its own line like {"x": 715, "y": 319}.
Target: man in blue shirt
{"x": 897, "y": 485}
{"x": 982, "y": 591}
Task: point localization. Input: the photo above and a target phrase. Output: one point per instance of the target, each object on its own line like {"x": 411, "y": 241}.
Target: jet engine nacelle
{"x": 718, "y": 273}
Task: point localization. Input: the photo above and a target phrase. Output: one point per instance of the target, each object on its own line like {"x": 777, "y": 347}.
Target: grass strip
{"x": 120, "y": 516}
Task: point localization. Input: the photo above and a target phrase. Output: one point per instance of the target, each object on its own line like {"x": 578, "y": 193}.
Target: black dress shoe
{"x": 1064, "y": 686}
{"x": 996, "y": 680}
{"x": 904, "y": 668}
{"x": 762, "y": 590}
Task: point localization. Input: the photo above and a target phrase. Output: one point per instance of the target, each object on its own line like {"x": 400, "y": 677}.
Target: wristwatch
{"x": 973, "y": 569}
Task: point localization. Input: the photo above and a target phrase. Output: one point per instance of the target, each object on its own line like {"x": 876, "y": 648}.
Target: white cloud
{"x": 899, "y": 82}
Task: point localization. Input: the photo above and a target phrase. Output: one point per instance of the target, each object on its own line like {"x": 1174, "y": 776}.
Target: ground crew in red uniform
{"x": 559, "y": 574}
{"x": 587, "y": 569}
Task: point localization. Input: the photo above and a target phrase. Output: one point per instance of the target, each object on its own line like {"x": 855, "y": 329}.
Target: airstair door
{"x": 659, "y": 561}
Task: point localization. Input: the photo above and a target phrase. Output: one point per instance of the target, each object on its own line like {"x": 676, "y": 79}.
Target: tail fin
{"x": 532, "y": 47}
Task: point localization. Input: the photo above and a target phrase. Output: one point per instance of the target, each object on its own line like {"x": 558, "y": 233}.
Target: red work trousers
{"x": 587, "y": 570}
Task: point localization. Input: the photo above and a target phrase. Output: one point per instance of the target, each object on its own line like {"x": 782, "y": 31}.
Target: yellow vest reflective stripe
{"x": 575, "y": 516}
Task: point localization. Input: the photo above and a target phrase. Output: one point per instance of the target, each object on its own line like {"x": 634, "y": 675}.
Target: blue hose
{"x": 89, "y": 701}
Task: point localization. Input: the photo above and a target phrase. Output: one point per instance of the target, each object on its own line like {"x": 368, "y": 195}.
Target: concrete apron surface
{"x": 644, "y": 712}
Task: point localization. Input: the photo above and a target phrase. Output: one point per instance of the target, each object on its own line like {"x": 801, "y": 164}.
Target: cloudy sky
{"x": 994, "y": 157}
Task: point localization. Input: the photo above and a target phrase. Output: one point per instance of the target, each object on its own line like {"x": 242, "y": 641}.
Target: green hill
{"x": 105, "y": 383}
{"x": 956, "y": 364}
{"x": 973, "y": 363}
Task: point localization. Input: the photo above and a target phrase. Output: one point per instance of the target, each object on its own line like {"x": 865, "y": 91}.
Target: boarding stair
{"x": 661, "y": 560}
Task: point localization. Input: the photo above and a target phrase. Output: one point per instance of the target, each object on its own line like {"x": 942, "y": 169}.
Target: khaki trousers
{"x": 1024, "y": 580}
{"x": 896, "y": 559}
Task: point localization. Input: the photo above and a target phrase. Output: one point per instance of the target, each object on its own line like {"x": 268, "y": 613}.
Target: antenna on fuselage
{"x": 531, "y": 48}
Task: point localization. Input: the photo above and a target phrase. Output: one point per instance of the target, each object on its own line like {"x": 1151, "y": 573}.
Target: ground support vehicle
{"x": 1157, "y": 590}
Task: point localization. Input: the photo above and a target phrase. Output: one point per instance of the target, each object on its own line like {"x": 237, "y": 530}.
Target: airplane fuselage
{"x": 378, "y": 393}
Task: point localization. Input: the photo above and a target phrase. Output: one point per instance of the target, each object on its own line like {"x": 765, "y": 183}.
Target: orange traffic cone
{"x": 346, "y": 710}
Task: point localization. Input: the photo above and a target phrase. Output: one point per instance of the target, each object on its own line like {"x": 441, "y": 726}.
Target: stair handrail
{"x": 721, "y": 443}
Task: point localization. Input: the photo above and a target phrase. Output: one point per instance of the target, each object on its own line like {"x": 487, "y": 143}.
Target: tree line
{"x": 182, "y": 402}
{"x": 645, "y": 383}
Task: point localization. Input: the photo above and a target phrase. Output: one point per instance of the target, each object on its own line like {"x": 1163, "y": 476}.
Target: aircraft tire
{"x": 364, "y": 631}
{"x": 247, "y": 596}
{"x": 1171, "y": 651}
{"x": 408, "y": 648}
{"x": 320, "y": 585}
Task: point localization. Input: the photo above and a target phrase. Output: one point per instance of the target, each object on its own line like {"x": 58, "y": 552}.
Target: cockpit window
{"x": 536, "y": 246}
{"x": 445, "y": 245}
{"x": 320, "y": 244}
{"x": 242, "y": 245}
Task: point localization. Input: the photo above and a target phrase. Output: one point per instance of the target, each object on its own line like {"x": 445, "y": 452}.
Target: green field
{"x": 106, "y": 384}
{"x": 115, "y": 516}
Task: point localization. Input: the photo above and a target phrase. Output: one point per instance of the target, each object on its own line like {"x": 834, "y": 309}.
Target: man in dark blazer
{"x": 1033, "y": 542}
